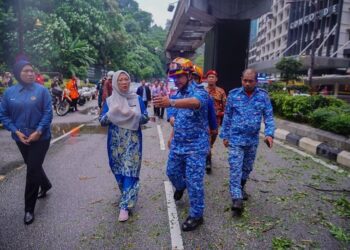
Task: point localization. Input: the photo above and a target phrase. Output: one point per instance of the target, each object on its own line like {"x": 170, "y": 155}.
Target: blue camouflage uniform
{"x": 241, "y": 127}
{"x": 213, "y": 125}
{"x": 189, "y": 148}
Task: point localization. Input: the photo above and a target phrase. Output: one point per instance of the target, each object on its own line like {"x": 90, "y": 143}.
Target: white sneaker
{"x": 123, "y": 215}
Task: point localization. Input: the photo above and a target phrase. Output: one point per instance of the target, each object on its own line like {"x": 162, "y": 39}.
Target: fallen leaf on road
{"x": 2, "y": 177}
{"x": 96, "y": 201}
{"x": 84, "y": 178}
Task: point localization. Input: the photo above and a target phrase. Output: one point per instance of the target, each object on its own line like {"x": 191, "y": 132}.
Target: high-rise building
{"x": 295, "y": 28}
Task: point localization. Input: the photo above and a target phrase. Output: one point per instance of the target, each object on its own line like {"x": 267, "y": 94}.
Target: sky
{"x": 158, "y": 8}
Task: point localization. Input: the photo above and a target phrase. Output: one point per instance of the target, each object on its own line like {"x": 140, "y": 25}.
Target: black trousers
{"x": 34, "y": 155}
{"x": 156, "y": 111}
{"x": 161, "y": 112}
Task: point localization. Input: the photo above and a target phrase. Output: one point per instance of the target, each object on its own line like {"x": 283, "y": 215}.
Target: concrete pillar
{"x": 226, "y": 51}
{"x": 336, "y": 89}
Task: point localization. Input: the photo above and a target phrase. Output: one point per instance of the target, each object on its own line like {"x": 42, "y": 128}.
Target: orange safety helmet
{"x": 198, "y": 71}
{"x": 180, "y": 66}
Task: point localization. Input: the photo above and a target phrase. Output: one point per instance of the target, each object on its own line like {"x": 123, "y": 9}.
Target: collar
{"x": 23, "y": 86}
{"x": 186, "y": 89}
{"x": 243, "y": 91}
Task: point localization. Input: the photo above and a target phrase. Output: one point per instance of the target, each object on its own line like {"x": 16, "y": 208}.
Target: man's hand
{"x": 269, "y": 141}
{"x": 34, "y": 137}
{"x": 161, "y": 101}
{"x": 22, "y": 137}
{"x": 225, "y": 143}
{"x": 172, "y": 121}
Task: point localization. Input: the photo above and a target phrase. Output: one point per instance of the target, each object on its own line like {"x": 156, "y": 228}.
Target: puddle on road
{"x": 90, "y": 111}
{"x": 60, "y": 129}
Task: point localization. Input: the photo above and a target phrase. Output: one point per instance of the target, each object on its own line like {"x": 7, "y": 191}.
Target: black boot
{"x": 244, "y": 193}
{"x": 42, "y": 193}
{"x": 192, "y": 223}
{"x": 178, "y": 194}
{"x": 237, "y": 207}
{"x": 28, "y": 218}
{"x": 208, "y": 165}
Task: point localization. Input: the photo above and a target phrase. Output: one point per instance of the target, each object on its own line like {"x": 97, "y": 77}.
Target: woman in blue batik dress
{"x": 123, "y": 113}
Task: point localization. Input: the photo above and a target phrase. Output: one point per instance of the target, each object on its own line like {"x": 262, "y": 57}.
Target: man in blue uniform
{"x": 189, "y": 146}
{"x": 246, "y": 106}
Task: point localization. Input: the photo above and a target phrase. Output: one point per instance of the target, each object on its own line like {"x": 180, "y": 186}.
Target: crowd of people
{"x": 194, "y": 111}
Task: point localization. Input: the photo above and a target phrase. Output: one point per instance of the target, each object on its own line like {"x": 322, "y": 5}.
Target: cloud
{"x": 158, "y": 8}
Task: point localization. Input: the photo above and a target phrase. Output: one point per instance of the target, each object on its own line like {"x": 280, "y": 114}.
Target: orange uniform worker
{"x": 73, "y": 92}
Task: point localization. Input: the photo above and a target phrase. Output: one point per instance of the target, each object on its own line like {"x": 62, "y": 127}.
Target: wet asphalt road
{"x": 81, "y": 211}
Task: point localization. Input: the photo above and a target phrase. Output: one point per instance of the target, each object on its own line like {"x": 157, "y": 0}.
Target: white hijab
{"x": 124, "y": 107}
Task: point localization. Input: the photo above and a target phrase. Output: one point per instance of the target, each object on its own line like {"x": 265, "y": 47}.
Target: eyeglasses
{"x": 248, "y": 80}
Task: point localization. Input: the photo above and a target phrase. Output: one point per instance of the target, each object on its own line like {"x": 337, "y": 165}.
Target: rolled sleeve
{"x": 202, "y": 96}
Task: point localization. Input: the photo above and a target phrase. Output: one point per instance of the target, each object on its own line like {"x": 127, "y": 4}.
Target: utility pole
{"x": 20, "y": 28}
{"x": 315, "y": 3}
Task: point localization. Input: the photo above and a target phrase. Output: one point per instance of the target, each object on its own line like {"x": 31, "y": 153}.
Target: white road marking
{"x": 175, "y": 232}
{"x": 330, "y": 166}
{"x": 67, "y": 134}
{"x": 2, "y": 177}
{"x": 161, "y": 138}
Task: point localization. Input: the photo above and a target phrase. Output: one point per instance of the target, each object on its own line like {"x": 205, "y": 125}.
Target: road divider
{"x": 67, "y": 134}
{"x": 175, "y": 232}
{"x": 161, "y": 138}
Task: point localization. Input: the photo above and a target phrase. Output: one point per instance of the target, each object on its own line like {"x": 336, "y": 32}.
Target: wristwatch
{"x": 172, "y": 102}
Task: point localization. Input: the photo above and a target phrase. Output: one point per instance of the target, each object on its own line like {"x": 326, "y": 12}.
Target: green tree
{"x": 290, "y": 68}
{"x": 77, "y": 34}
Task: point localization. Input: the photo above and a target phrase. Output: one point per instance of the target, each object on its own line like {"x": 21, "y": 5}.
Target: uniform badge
{"x": 33, "y": 98}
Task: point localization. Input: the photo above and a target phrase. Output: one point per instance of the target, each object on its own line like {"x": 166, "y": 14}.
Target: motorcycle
{"x": 60, "y": 101}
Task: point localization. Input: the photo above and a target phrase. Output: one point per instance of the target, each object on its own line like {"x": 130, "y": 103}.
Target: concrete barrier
{"x": 309, "y": 145}
{"x": 344, "y": 158}
{"x": 281, "y": 134}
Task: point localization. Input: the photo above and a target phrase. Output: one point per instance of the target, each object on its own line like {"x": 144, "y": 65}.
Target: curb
{"x": 314, "y": 147}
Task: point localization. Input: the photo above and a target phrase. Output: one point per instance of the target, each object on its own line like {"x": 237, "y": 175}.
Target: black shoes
{"x": 42, "y": 193}
{"x": 28, "y": 218}
{"x": 208, "y": 165}
{"x": 237, "y": 207}
{"x": 178, "y": 195}
{"x": 244, "y": 193}
{"x": 191, "y": 223}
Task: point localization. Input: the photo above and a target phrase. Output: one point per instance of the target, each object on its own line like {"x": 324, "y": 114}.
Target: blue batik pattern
{"x": 124, "y": 147}
{"x": 187, "y": 171}
{"x": 241, "y": 160}
{"x": 243, "y": 116}
{"x": 191, "y": 125}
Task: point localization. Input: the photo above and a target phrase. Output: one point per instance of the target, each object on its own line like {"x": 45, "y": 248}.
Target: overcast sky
{"x": 158, "y": 8}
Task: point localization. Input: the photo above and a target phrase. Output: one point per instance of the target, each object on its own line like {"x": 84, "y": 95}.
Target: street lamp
{"x": 171, "y": 6}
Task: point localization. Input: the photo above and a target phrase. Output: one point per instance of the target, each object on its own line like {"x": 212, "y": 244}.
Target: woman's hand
{"x": 33, "y": 137}
{"x": 225, "y": 143}
{"x": 22, "y": 137}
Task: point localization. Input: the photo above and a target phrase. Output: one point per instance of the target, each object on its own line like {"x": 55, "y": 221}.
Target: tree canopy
{"x": 290, "y": 68}
{"x": 78, "y": 34}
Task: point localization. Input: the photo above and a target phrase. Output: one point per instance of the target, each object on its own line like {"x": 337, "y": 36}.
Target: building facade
{"x": 272, "y": 33}
{"x": 296, "y": 28}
